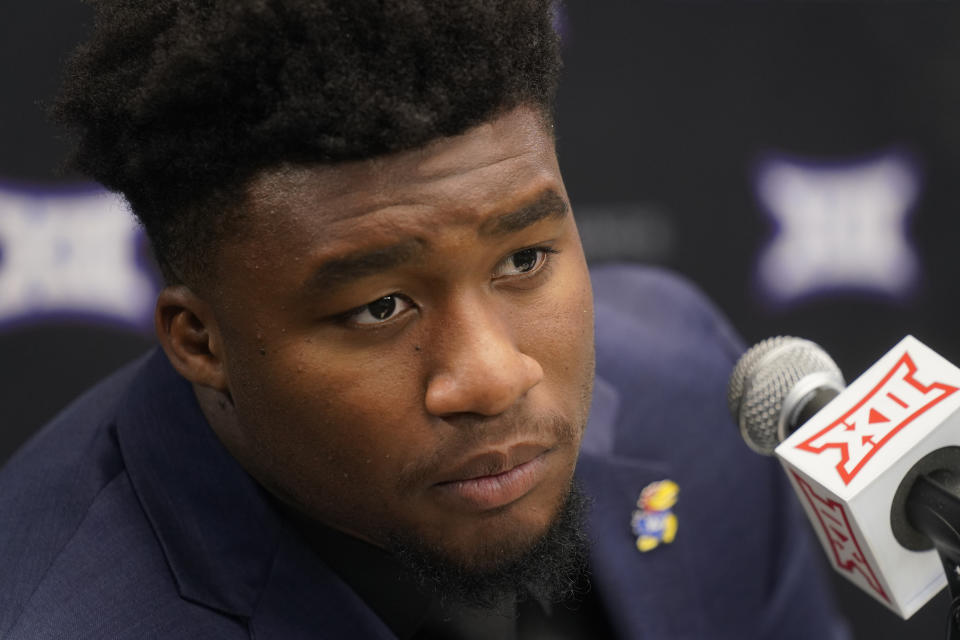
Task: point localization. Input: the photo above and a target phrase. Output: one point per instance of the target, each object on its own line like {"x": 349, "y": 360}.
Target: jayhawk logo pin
{"x": 654, "y": 522}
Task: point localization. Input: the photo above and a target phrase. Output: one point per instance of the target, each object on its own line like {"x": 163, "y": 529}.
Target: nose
{"x": 477, "y": 366}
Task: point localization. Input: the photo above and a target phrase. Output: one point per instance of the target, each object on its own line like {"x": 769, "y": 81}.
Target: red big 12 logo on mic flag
{"x": 845, "y": 548}
{"x": 847, "y": 462}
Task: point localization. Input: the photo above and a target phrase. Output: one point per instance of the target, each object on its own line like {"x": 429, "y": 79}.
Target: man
{"x": 377, "y": 360}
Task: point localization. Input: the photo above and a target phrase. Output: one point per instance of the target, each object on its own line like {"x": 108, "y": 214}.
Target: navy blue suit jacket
{"x": 126, "y": 518}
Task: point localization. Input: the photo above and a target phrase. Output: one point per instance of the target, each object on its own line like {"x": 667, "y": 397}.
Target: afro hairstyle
{"x": 177, "y": 104}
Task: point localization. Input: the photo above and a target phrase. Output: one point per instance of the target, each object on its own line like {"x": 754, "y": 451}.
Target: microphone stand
{"x": 933, "y": 508}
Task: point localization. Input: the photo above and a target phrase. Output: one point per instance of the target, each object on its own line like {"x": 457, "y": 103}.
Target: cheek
{"x": 560, "y": 327}
{"x": 330, "y": 432}
{"x": 559, "y": 335}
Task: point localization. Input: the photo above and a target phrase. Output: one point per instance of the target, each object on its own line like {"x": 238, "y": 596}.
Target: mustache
{"x": 473, "y": 434}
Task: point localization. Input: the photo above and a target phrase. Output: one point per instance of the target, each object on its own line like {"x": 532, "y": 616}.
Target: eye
{"x": 523, "y": 262}
{"x": 380, "y": 310}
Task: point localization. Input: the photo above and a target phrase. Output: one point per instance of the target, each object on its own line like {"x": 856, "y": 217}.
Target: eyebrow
{"x": 341, "y": 271}
{"x": 549, "y": 204}
{"x": 338, "y": 272}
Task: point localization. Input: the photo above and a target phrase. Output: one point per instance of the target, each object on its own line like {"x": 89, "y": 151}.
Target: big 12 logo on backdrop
{"x": 72, "y": 253}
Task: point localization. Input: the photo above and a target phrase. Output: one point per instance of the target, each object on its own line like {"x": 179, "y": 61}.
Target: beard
{"x": 552, "y": 568}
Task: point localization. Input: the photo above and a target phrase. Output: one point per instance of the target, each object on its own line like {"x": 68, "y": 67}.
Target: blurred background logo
{"x": 839, "y": 226}
{"x": 72, "y": 254}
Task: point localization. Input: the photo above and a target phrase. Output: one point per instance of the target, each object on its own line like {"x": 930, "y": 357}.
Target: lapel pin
{"x": 654, "y": 522}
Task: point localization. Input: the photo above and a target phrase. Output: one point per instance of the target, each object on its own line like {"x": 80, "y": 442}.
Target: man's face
{"x": 408, "y": 341}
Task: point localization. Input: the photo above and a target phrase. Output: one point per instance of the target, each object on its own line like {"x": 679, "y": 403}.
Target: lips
{"x": 494, "y": 479}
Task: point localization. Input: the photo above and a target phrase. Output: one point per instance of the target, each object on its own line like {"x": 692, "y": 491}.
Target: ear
{"x": 190, "y": 336}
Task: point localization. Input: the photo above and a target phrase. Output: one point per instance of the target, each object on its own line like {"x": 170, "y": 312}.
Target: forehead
{"x": 463, "y": 180}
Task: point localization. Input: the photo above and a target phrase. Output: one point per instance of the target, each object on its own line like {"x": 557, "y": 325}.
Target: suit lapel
{"x": 303, "y": 599}
{"x": 632, "y": 585}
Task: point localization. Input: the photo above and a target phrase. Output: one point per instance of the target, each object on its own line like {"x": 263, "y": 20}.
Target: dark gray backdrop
{"x": 665, "y": 113}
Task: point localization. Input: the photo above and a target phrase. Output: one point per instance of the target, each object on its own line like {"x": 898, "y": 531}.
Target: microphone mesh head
{"x": 763, "y": 379}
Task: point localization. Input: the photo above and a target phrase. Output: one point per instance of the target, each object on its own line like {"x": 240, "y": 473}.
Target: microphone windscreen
{"x": 771, "y": 385}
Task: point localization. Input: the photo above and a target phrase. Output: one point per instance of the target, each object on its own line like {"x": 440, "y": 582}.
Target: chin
{"x": 542, "y": 556}
{"x": 498, "y": 547}
{"x": 502, "y": 535}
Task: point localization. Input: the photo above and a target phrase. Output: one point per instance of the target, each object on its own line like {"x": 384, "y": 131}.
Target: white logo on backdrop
{"x": 71, "y": 254}
{"x": 841, "y": 226}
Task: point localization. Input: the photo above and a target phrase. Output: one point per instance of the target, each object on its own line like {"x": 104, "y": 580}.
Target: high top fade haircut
{"x": 177, "y": 104}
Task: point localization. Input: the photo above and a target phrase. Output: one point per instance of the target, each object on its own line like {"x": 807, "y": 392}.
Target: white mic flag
{"x": 847, "y": 462}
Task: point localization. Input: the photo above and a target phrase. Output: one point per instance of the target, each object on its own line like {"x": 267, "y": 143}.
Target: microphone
{"x": 875, "y": 465}
{"x": 778, "y": 385}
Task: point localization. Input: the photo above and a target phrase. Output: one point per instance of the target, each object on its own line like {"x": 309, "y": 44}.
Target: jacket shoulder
{"x": 111, "y": 580}
{"x": 667, "y": 351}
{"x": 49, "y": 488}
{"x": 651, "y": 301}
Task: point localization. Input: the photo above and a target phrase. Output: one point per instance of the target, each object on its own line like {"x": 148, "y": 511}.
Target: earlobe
{"x": 190, "y": 337}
